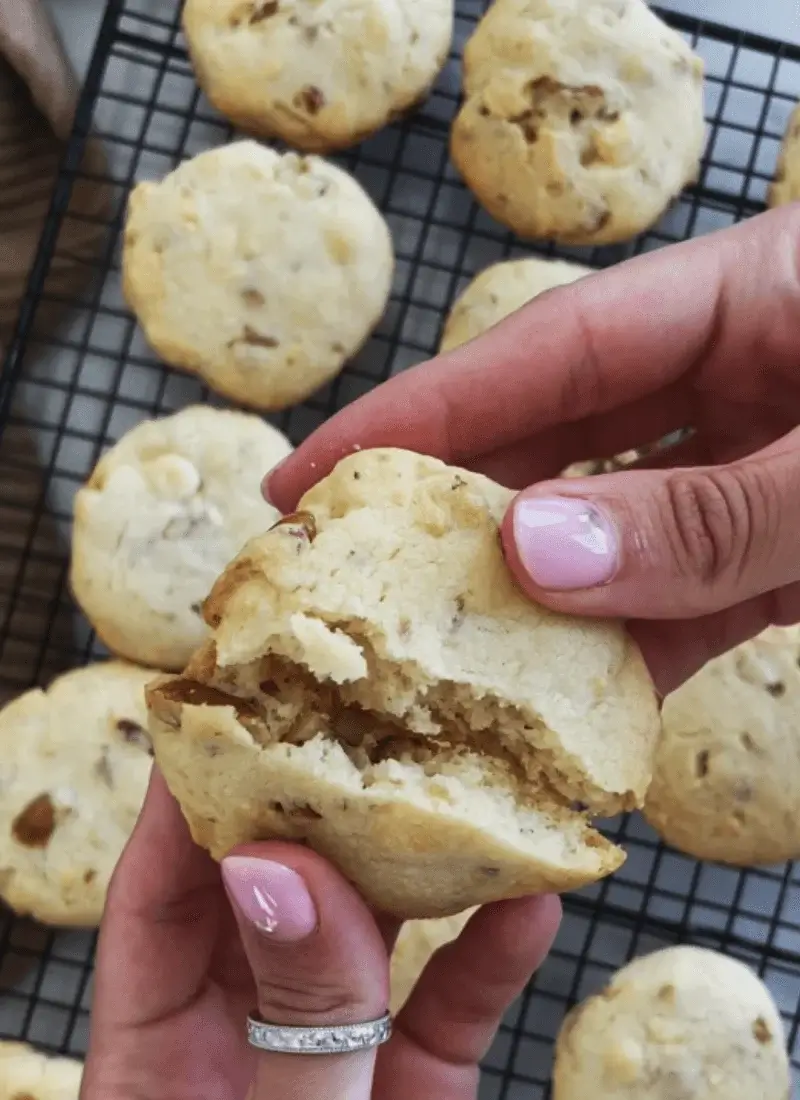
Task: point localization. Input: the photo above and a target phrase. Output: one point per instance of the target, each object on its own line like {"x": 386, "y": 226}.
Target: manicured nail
{"x": 272, "y": 897}
{"x": 265, "y": 484}
{"x": 564, "y": 543}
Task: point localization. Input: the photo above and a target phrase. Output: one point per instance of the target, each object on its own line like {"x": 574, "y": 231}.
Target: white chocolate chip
{"x": 172, "y": 477}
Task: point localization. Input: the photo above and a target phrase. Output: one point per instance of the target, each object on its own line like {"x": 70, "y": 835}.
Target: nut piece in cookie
{"x": 681, "y": 1022}
{"x": 786, "y": 187}
{"x": 261, "y": 273}
{"x": 377, "y": 686}
{"x": 581, "y": 121}
{"x": 726, "y": 783}
{"x": 501, "y": 290}
{"x": 75, "y": 762}
{"x": 319, "y": 74}
{"x": 162, "y": 514}
{"x": 29, "y": 1074}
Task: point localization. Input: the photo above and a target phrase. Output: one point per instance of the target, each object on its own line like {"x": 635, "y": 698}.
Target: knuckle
{"x": 583, "y": 389}
{"x": 288, "y": 998}
{"x": 713, "y": 518}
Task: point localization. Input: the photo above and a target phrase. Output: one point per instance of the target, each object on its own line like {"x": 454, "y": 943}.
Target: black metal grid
{"x": 64, "y": 398}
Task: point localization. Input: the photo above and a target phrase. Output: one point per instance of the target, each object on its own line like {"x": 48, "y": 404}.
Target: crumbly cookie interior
{"x": 281, "y": 704}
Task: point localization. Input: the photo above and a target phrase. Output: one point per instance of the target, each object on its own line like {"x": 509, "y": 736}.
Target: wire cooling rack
{"x": 64, "y": 399}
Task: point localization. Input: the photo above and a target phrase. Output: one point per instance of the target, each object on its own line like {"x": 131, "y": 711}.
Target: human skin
{"x": 699, "y": 547}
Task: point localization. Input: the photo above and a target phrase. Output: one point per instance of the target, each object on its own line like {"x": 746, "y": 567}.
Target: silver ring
{"x": 344, "y": 1039}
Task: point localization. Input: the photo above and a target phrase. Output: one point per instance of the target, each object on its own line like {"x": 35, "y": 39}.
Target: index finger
{"x": 579, "y": 351}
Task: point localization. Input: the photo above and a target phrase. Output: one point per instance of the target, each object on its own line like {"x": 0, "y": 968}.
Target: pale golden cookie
{"x": 683, "y": 1023}
{"x": 378, "y": 686}
{"x": 261, "y": 273}
{"x": 160, "y": 517}
{"x": 726, "y": 784}
{"x": 582, "y": 121}
{"x": 501, "y": 290}
{"x": 786, "y": 187}
{"x": 74, "y": 767}
{"x": 320, "y": 74}
{"x": 28, "y": 1074}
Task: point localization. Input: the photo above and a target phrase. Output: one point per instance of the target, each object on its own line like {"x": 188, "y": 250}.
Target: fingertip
{"x": 330, "y": 889}
{"x": 276, "y": 486}
{"x": 533, "y": 920}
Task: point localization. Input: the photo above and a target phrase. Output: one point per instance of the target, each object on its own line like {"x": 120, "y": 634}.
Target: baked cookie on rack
{"x": 74, "y": 767}
{"x": 162, "y": 514}
{"x": 786, "y": 187}
{"x": 29, "y": 1074}
{"x": 261, "y": 273}
{"x": 581, "y": 121}
{"x": 418, "y": 941}
{"x": 726, "y": 784}
{"x": 376, "y": 686}
{"x": 501, "y": 290}
{"x": 682, "y": 1022}
{"x": 320, "y": 74}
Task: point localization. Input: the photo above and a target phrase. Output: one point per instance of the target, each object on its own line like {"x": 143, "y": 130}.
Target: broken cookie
{"x": 376, "y": 685}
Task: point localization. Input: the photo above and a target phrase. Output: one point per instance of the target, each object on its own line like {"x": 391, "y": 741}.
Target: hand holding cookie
{"x": 279, "y": 929}
{"x": 696, "y": 546}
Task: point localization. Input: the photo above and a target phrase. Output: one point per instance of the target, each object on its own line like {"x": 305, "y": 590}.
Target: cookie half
{"x": 581, "y": 122}
{"x": 377, "y": 686}
{"x": 786, "y": 187}
{"x": 74, "y": 767}
{"x": 319, "y": 75}
{"x": 28, "y": 1074}
{"x": 261, "y": 273}
{"x": 160, "y": 517}
{"x": 501, "y": 290}
{"x": 682, "y": 1022}
{"x": 726, "y": 783}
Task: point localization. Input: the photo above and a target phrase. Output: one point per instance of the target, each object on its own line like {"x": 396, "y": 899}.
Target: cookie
{"x": 377, "y": 686}
{"x": 261, "y": 273}
{"x": 417, "y": 943}
{"x": 74, "y": 768}
{"x": 595, "y": 466}
{"x": 160, "y": 517}
{"x": 726, "y": 784}
{"x": 28, "y": 1074}
{"x": 500, "y": 290}
{"x": 786, "y": 187}
{"x": 581, "y": 122}
{"x": 680, "y": 1024}
{"x": 319, "y": 75}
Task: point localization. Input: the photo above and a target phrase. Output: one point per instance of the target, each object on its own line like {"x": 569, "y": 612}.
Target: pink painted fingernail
{"x": 265, "y": 483}
{"x": 564, "y": 543}
{"x": 272, "y": 897}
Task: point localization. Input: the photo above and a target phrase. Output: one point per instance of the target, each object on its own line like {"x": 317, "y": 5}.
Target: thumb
{"x": 661, "y": 544}
{"x": 318, "y": 960}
